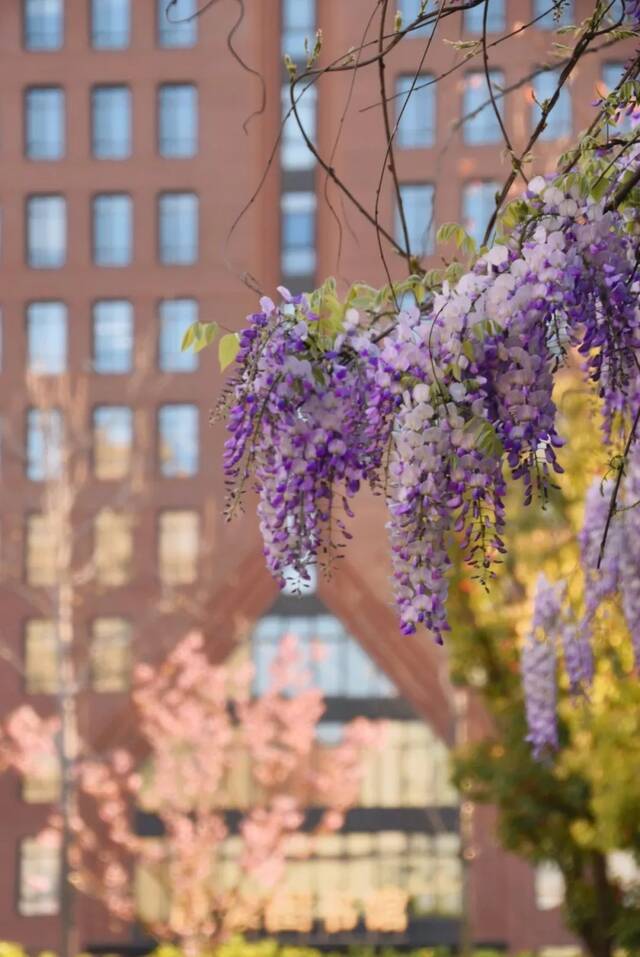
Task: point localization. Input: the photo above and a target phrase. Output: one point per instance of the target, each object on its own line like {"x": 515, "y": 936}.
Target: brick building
{"x": 125, "y": 165}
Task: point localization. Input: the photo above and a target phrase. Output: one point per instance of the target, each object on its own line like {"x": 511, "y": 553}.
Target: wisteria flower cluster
{"x": 614, "y": 570}
{"x": 435, "y": 404}
{"x": 610, "y": 560}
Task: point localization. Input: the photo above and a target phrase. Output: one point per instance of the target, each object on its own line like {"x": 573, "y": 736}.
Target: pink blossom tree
{"x": 195, "y": 721}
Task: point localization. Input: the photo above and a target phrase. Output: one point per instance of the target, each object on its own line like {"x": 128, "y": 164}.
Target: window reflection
{"x": 340, "y": 667}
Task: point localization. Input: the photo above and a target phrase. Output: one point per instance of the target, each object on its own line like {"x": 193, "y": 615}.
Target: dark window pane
{"x": 417, "y": 203}
{"x": 178, "y": 228}
{"x": 298, "y": 234}
{"x": 411, "y": 10}
{"x": 416, "y": 111}
{"x": 46, "y": 232}
{"x": 294, "y": 152}
{"x": 176, "y": 315}
{"x": 112, "y": 441}
{"x": 112, "y": 336}
{"x": 298, "y": 25}
{"x": 177, "y": 26}
{"x": 550, "y": 14}
{"x": 44, "y": 444}
{"x": 474, "y": 18}
{"x": 112, "y": 230}
{"x": 478, "y": 204}
{"x": 559, "y": 119}
{"x": 178, "y": 444}
{"x": 178, "y": 120}
{"x": 481, "y": 124}
{"x": 43, "y": 24}
{"x": 110, "y": 24}
{"x": 44, "y": 123}
{"x": 47, "y": 338}
{"x": 111, "y": 122}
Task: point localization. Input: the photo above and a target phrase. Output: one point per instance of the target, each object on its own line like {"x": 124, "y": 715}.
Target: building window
{"x": 178, "y": 228}
{"x": 112, "y": 230}
{"x": 112, "y": 336}
{"x": 480, "y": 121}
{"x": 176, "y": 315}
{"x": 41, "y": 549}
{"x": 112, "y": 441}
{"x": 46, "y": 232}
{"x": 113, "y": 548}
{"x": 178, "y": 440}
{"x": 478, "y": 204}
{"x": 294, "y": 152}
{"x": 44, "y": 444}
{"x": 47, "y": 338}
{"x": 110, "y": 655}
{"x": 343, "y": 670}
{"x": 411, "y": 10}
{"x": 549, "y": 886}
{"x": 44, "y": 123}
{"x": 111, "y": 122}
{"x": 43, "y": 24}
{"x": 39, "y": 878}
{"x": 178, "y": 120}
{"x": 151, "y": 884}
{"x": 623, "y": 868}
{"x": 298, "y": 255}
{"x": 559, "y": 119}
{"x": 617, "y": 12}
{"x": 417, "y": 203}
{"x": 41, "y": 782}
{"x": 410, "y": 769}
{"x": 178, "y": 546}
{"x": 110, "y": 24}
{"x": 177, "y": 23}
{"x": 415, "y": 111}
{"x": 368, "y": 865}
{"x": 612, "y": 74}
{"x": 40, "y": 656}
{"x": 550, "y": 14}
{"x": 474, "y": 17}
{"x": 298, "y": 25}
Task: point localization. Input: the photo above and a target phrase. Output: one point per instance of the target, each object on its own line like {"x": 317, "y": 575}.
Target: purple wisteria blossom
{"x": 435, "y": 406}
{"x": 539, "y": 668}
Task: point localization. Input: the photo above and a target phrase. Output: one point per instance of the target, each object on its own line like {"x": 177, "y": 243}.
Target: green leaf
{"x": 360, "y": 296}
{"x": 190, "y": 336}
{"x": 453, "y": 272}
{"x": 210, "y": 332}
{"x": 206, "y": 333}
{"x": 599, "y": 188}
{"x": 485, "y": 436}
{"x": 420, "y": 292}
{"x": 446, "y": 232}
{"x": 468, "y": 245}
{"x": 228, "y": 349}
{"x": 467, "y": 349}
{"x": 433, "y": 277}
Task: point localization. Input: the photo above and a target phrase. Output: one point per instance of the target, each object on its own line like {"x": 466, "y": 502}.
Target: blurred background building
{"x": 129, "y": 146}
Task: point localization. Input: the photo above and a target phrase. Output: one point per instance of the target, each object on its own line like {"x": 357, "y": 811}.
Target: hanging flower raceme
{"x": 299, "y": 430}
{"x": 610, "y": 560}
{"x": 539, "y": 667}
{"x": 435, "y": 403}
{"x": 610, "y": 547}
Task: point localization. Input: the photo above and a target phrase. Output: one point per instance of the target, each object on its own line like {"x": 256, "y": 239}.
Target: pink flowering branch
{"x": 196, "y": 720}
